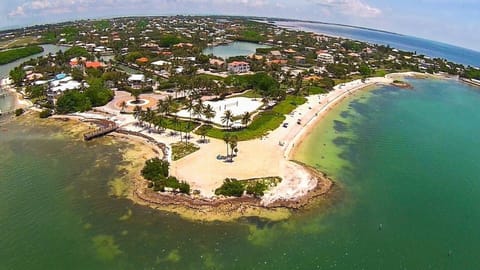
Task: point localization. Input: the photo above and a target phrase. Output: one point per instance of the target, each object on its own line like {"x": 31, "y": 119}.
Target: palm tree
{"x": 136, "y": 94}
{"x": 202, "y": 131}
{"x": 198, "y": 109}
{"x": 233, "y": 145}
{"x": 190, "y": 107}
{"x": 246, "y": 118}
{"x": 226, "y": 139}
{"x": 137, "y": 112}
{"x": 123, "y": 105}
{"x": 209, "y": 112}
{"x": 227, "y": 118}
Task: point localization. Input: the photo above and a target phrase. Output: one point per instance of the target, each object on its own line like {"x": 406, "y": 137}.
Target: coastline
{"x": 300, "y": 186}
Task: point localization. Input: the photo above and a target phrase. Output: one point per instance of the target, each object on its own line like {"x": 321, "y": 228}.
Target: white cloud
{"x": 45, "y": 7}
{"x": 349, "y": 7}
{"x": 19, "y": 11}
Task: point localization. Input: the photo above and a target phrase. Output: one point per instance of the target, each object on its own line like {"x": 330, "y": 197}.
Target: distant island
{"x": 218, "y": 134}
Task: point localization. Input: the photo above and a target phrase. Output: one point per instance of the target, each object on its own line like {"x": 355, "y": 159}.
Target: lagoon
{"x": 237, "y": 48}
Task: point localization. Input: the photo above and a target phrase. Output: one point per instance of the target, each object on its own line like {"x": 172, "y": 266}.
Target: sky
{"x": 451, "y": 21}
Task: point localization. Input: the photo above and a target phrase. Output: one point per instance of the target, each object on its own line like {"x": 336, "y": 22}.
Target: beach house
{"x": 238, "y": 67}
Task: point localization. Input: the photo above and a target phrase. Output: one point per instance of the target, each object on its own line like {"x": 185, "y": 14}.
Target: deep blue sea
{"x": 402, "y": 42}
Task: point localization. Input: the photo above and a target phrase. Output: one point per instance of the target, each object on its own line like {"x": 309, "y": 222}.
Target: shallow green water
{"x": 408, "y": 197}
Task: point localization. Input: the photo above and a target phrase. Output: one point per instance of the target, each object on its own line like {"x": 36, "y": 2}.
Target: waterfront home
{"x": 61, "y": 84}
{"x": 216, "y": 63}
{"x": 238, "y": 67}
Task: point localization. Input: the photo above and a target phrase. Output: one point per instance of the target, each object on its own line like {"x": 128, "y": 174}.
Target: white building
{"x": 238, "y": 67}
{"x": 136, "y": 81}
{"x": 58, "y": 87}
{"x": 325, "y": 58}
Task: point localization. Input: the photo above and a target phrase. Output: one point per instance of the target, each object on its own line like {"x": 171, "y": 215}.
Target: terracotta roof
{"x": 96, "y": 64}
{"x": 142, "y": 60}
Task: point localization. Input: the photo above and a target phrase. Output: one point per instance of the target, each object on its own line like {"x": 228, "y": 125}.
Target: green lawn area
{"x": 315, "y": 90}
{"x": 180, "y": 150}
{"x": 264, "y": 122}
{"x": 182, "y": 125}
{"x": 250, "y": 94}
{"x": 380, "y": 73}
{"x": 211, "y": 77}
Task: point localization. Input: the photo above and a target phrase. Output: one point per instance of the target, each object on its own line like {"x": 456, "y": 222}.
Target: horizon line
{"x": 14, "y": 28}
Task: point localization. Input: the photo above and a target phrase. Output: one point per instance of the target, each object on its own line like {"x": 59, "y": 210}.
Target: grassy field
{"x": 181, "y": 125}
{"x": 264, "y": 122}
{"x": 18, "y": 42}
{"x": 180, "y": 150}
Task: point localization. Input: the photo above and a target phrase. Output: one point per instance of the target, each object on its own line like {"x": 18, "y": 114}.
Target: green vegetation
{"x": 17, "y": 75}
{"x": 179, "y": 125}
{"x": 180, "y": 150}
{"x": 77, "y": 52}
{"x": 169, "y": 40}
{"x": 472, "y": 73}
{"x": 264, "y": 122}
{"x": 49, "y": 37}
{"x": 35, "y": 91}
{"x": 19, "y": 112}
{"x": 12, "y": 55}
{"x": 102, "y": 25}
{"x": 256, "y": 186}
{"x": 251, "y": 35}
{"x": 315, "y": 90}
{"x": 95, "y": 95}
{"x": 231, "y": 187}
{"x": 45, "y": 113}
{"x": 156, "y": 170}
{"x": 70, "y": 33}
{"x": 73, "y": 101}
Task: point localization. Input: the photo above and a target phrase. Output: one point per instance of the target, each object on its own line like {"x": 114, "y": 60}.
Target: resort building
{"x": 325, "y": 58}
{"x": 238, "y": 67}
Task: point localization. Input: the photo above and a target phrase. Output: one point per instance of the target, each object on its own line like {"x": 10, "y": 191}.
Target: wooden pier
{"x": 100, "y": 132}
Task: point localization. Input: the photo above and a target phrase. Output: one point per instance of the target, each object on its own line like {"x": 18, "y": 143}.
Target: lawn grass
{"x": 264, "y": 122}
{"x": 181, "y": 149}
{"x": 315, "y": 90}
{"x": 182, "y": 125}
{"x": 250, "y": 94}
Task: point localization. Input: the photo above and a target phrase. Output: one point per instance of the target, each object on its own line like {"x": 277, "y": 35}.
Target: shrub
{"x": 46, "y": 113}
{"x": 155, "y": 169}
{"x": 231, "y": 187}
{"x": 19, "y": 112}
{"x": 258, "y": 189}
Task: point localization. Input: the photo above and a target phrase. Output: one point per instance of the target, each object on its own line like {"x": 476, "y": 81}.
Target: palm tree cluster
{"x": 232, "y": 144}
{"x": 198, "y": 109}
{"x": 195, "y": 87}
